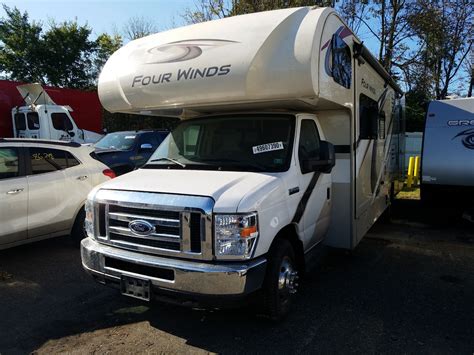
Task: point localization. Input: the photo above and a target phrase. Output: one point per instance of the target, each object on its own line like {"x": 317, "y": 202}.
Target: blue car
{"x": 128, "y": 150}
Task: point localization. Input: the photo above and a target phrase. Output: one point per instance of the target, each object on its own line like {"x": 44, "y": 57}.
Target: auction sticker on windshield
{"x": 268, "y": 147}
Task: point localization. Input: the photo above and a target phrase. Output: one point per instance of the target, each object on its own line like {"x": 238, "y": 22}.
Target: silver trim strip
{"x": 164, "y": 222}
{"x": 153, "y": 236}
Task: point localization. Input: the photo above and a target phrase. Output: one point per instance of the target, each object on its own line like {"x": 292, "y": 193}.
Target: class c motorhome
{"x": 42, "y": 118}
{"x": 290, "y": 137}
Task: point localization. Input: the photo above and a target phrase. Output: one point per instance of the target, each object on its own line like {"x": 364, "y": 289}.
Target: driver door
{"x": 314, "y": 207}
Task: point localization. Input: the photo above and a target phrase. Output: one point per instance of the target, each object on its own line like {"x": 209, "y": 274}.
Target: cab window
{"x": 9, "y": 163}
{"x": 45, "y": 160}
{"x": 20, "y": 123}
{"x": 61, "y": 122}
{"x": 309, "y": 141}
{"x": 33, "y": 120}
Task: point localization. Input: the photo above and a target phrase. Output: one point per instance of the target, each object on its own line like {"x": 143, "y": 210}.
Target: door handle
{"x": 14, "y": 191}
{"x": 81, "y": 178}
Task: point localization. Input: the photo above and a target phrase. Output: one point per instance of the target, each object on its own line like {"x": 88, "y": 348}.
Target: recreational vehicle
{"x": 290, "y": 137}
{"x": 447, "y": 163}
{"x": 41, "y": 118}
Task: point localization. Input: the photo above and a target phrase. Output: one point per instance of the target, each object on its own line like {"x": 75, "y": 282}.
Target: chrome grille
{"x": 182, "y": 226}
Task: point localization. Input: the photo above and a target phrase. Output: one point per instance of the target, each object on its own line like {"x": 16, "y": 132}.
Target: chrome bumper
{"x": 190, "y": 277}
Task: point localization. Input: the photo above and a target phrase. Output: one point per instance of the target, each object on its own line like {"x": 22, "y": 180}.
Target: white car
{"x": 43, "y": 188}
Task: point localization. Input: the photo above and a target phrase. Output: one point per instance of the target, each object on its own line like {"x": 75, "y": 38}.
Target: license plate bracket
{"x": 135, "y": 287}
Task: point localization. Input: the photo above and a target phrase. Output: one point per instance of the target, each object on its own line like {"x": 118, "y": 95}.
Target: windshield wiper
{"x": 169, "y": 159}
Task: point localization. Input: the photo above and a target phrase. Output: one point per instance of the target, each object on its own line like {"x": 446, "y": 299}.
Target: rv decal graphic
{"x": 468, "y": 138}
{"x": 181, "y": 51}
{"x": 342, "y": 32}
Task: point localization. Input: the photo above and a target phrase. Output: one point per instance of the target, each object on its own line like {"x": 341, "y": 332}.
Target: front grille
{"x": 166, "y": 223}
{"x": 160, "y": 244}
{"x": 181, "y": 226}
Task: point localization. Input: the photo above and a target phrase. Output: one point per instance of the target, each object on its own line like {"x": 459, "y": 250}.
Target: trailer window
{"x": 341, "y": 62}
{"x": 368, "y": 114}
{"x": 33, "y": 120}
{"x": 61, "y": 122}
{"x": 20, "y": 123}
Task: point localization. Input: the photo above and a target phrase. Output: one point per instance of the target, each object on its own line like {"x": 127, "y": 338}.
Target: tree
{"x": 105, "y": 46}
{"x": 68, "y": 55}
{"x": 20, "y": 48}
{"x": 443, "y": 29}
{"x": 138, "y": 27}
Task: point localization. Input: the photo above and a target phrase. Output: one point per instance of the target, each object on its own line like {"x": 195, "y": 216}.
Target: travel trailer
{"x": 42, "y": 118}
{"x": 447, "y": 163}
{"x": 290, "y": 137}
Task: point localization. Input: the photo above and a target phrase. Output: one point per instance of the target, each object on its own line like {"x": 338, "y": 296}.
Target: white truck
{"x": 290, "y": 137}
{"x": 41, "y": 118}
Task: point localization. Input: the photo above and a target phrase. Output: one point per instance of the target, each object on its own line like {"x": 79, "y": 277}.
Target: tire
{"x": 78, "y": 232}
{"x": 280, "y": 280}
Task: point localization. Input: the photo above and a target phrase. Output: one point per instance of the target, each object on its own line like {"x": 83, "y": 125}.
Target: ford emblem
{"x": 141, "y": 227}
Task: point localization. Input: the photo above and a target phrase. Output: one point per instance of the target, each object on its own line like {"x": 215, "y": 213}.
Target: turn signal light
{"x": 110, "y": 173}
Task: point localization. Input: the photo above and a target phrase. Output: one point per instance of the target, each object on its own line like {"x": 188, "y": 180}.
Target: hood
{"x": 227, "y": 188}
{"x": 102, "y": 151}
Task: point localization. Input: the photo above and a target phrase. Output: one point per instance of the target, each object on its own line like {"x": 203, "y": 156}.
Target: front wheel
{"x": 280, "y": 280}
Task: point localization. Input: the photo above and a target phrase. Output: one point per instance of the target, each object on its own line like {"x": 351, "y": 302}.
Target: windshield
{"x": 234, "y": 143}
{"x": 119, "y": 140}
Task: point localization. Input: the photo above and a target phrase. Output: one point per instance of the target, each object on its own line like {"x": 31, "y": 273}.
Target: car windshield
{"x": 118, "y": 140}
{"x": 234, "y": 143}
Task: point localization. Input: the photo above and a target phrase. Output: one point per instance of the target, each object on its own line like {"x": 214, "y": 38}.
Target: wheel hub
{"x": 287, "y": 280}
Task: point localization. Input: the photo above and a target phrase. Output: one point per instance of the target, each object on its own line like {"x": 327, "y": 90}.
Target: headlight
{"x": 89, "y": 221}
{"x": 235, "y": 235}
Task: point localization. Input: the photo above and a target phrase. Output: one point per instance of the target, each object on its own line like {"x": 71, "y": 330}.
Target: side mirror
{"x": 325, "y": 162}
{"x": 146, "y": 146}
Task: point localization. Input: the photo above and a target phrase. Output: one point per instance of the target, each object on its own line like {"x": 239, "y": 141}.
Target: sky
{"x": 104, "y": 15}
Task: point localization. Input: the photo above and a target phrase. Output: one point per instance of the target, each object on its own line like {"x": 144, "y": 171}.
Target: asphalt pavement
{"x": 407, "y": 288}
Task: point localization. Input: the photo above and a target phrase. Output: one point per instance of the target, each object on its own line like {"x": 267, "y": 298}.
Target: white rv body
{"x": 41, "y": 118}
{"x": 302, "y": 63}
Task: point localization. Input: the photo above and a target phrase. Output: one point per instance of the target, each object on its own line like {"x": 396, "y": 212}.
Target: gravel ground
{"x": 407, "y": 288}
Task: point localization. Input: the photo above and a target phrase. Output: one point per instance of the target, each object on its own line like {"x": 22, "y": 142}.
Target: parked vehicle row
{"x": 128, "y": 150}
{"x": 43, "y": 189}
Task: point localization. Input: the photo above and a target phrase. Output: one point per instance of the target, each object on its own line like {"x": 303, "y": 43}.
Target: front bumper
{"x": 187, "y": 277}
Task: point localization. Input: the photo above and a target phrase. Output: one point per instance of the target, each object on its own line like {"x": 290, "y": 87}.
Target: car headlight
{"x": 89, "y": 221}
{"x": 235, "y": 235}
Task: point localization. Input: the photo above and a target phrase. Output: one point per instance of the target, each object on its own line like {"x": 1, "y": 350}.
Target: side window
{"x": 61, "y": 121}
{"x": 71, "y": 160}
{"x": 368, "y": 114}
{"x": 20, "y": 123}
{"x": 33, "y": 120}
{"x": 341, "y": 62}
{"x": 191, "y": 135}
{"x": 309, "y": 141}
{"x": 45, "y": 160}
{"x": 9, "y": 163}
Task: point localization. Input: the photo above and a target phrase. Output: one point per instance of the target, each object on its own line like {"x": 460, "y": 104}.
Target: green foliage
{"x": 21, "y": 50}
{"x": 62, "y": 56}
{"x": 123, "y": 122}
{"x": 68, "y": 55}
{"x": 105, "y": 46}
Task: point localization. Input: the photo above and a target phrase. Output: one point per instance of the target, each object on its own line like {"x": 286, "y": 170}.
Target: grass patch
{"x": 412, "y": 193}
